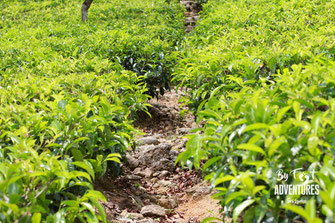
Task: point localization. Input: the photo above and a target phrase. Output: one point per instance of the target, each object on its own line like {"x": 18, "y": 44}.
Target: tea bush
{"x": 140, "y": 36}
{"x": 68, "y": 95}
{"x": 57, "y": 135}
{"x": 264, "y": 37}
{"x": 260, "y": 76}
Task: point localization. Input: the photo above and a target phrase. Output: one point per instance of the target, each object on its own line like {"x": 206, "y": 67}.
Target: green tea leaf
{"x": 36, "y": 218}
{"x": 86, "y": 167}
{"x": 251, "y": 147}
{"x": 241, "y": 207}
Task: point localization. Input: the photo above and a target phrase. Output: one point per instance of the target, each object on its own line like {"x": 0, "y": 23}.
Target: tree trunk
{"x": 84, "y": 9}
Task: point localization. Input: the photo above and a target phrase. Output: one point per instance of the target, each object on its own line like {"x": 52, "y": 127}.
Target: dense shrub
{"x": 57, "y": 135}
{"x": 264, "y": 37}
{"x": 46, "y": 38}
{"x": 68, "y": 95}
{"x": 260, "y": 76}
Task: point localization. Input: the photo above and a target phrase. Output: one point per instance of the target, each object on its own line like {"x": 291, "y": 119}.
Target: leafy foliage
{"x": 68, "y": 95}
{"x": 140, "y": 36}
{"x": 264, "y": 37}
{"x": 262, "y": 83}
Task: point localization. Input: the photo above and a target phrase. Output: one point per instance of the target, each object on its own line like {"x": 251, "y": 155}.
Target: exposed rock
{"x": 154, "y": 180}
{"x": 132, "y": 162}
{"x": 148, "y": 173}
{"x": 197, "y": 195}
{"x": 137, "y": 201}
{"x": 149, "y": 140}
{"x": 165, "y": 110}
{"x": 124, "y": 213}
{"x": 152, "y": 154}
{"x": 153, "y": 211}
{"x": 137, "y": 171}
{"x": 190, "y": 20}
{"x": 174, "y": 153}
{"x": 164, "y": 164}
{"x": 145, "y": 148}
{"x": 135, "y": 216}
{"x": 164, "y": 202}
{"x": 182, "y": 131}
{"x": 148, "y": 220}
{"x": 198, "y": 190}
{"x": 168, "y": 203}
{"x": 131, "y": 216}
{"x": 146, "y": 201}
{"x": 179, "y": 146}
{"x": 180, "y": 220}
{"x": 139, "y": 190}
{"x": 163, "y": 174}
{"x": 164, "y": 183}
{"x": 173, "y": 202}
{"x": 144, "y": 173}
{"x": 149, "y": 198}
{"x": 133, "y": 177}
{"x": 152, "y": 163}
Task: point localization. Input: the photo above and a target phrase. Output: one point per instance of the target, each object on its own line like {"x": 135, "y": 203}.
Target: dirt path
{"x": 192, "y": 13}
{"x": 152, "y": 188}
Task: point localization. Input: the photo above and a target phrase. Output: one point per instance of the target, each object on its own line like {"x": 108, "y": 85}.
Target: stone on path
{"x": 153, "y": 211}
{"x": 164, "y": 183}
{"x": 168, "y": 203}
{"x": 132, "y": 216}
{"x": 198, "y": 191}
{"x": 149, "y": 140}
{"x": 144, "y": 173}
{"x": 133, "y": 177}
{"x": 148, "y": 220}
{"x": 151, "y": 154}
{"x": 184, "y": 130}
{"x": 164, "y": 164}
{"x": 132, "y": 162}
{"x": 163, "y": 174}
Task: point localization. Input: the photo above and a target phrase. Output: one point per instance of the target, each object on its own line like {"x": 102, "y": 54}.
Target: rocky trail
{"x": 192, "y": 13}
{"x": 151, "y": 188}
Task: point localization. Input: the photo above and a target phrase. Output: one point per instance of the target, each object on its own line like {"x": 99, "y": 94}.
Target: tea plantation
{"x": 258, "y": 74}
{"x": 69, "y": 92}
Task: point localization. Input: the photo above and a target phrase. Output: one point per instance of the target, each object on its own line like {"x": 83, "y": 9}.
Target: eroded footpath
{"x": 151, "y": 187}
